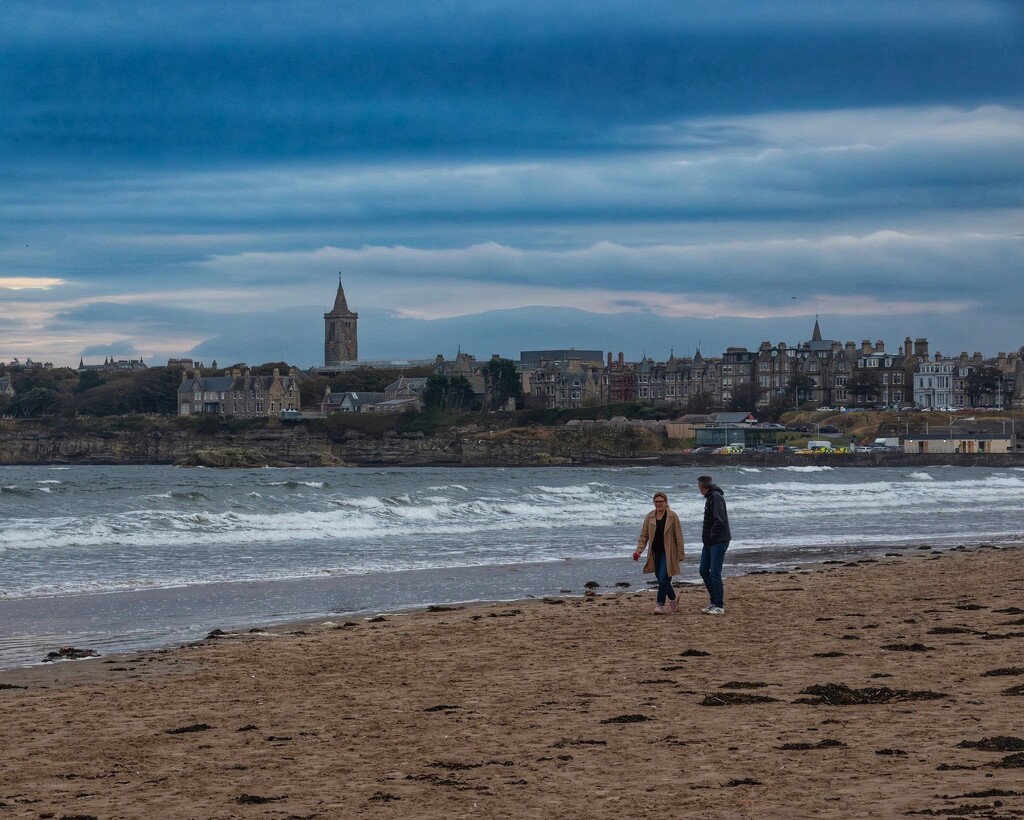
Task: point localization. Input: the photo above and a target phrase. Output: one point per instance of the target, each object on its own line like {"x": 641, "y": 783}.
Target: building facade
{"x": 239, "y": 394}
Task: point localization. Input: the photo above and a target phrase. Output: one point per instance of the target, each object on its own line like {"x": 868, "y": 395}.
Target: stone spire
{"x": 340, "y": 303}
{"x": 816, "y": 335}
{"x": 340, "y": 331}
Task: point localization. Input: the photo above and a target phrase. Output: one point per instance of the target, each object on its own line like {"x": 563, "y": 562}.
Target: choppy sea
{"x": 127, "y": 558}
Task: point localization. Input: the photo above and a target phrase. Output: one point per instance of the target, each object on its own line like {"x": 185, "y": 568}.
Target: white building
{"x": 933, "y": 384}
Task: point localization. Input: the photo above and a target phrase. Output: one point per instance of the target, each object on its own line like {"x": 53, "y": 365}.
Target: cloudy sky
{"x": 188, "y": 178}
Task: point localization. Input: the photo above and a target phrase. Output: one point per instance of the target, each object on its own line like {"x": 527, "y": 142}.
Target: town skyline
{"x": 186, "y": 179}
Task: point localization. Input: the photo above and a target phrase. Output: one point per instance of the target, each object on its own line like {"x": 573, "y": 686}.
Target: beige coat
{"x": 673, "y": 541}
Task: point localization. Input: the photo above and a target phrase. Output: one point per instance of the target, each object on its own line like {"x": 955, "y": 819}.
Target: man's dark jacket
{"x": 716, "y": 518}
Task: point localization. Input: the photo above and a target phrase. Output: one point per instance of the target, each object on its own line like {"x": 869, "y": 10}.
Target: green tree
{"x": 700, "y": 404}
{"x": 983, "y": 381}
{"x": 154, "y": 390}
{"x": 502, "y": 382}
{"x": 799, "y": 388}
{"x": 773, "y": 410}
{"x": 745, "y": 396}
{"x": 864, "y": 385}
{"x": 435, "y": 392}
{"x": 311, "y": 391}
{"x": 35, "y": 401}
{"x": 88, "y": 379}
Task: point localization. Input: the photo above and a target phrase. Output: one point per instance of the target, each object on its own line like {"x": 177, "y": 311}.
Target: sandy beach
{"x": 881, "y": 688}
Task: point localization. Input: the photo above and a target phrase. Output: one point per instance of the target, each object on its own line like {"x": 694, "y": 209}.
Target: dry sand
{"x": 585, "y": 708}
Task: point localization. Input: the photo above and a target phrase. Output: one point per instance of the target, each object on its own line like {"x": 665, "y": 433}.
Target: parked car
{"x": 828, "y": 428}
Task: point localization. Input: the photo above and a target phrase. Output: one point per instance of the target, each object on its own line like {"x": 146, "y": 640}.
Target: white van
{"x": 820, "y": 445}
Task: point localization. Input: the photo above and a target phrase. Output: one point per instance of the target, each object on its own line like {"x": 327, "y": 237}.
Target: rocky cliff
{"x": 23, "y": 442}
{"x": 302, "y": 445}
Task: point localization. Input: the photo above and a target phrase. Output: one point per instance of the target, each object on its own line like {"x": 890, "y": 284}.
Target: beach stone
{"x": 70, "y": 653}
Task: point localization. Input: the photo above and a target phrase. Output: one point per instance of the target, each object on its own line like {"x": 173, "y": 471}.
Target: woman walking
{"x": 663, "y": 532}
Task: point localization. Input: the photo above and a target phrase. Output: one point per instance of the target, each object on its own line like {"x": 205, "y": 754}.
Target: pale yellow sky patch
{"x": 29, "y": 282}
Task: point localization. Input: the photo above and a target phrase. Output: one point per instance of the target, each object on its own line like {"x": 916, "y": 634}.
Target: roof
{"x": 735, "y": 418}
{"x": 947, "y": 436}
{"x": 356, "y": 399}
{"x": 217, "y": 384}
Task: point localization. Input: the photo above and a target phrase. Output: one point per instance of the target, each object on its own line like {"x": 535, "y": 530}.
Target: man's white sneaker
{"x": 716, "y": 610}
{"x": 707, "y": 609}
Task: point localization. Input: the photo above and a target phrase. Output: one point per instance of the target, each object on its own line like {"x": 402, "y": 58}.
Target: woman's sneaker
{"x": 673, "y": 605}
{"x": 658, "y": 610}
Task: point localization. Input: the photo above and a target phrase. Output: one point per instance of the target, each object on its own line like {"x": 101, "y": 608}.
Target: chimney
{"x": 879, "y": 346}
{"x": 622, "y": 359}
{"x": 865, "y": 347}
{"x": 609, "y": 358}
{"x": 921, "y": 348}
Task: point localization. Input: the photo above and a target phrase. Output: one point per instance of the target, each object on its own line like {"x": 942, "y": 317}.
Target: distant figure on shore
{"x": 664, "y": 533}
{"x": 715, "y": 536}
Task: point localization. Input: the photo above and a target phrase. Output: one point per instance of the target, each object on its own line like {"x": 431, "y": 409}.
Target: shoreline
{"x": 115, "y": 622}
{"x": 533, "y": 709}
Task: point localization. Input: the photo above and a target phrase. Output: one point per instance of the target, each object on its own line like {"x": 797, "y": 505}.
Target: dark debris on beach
{"x": 804, "y": 747}
{"x": 839, "y": 694}
{"x": 735, "y": 699}
{"x": 999, "y": 743}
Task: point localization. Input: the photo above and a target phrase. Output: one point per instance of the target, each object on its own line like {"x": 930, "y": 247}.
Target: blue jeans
{"x": 711, "y": 559}
{"x": 664, "y": 582}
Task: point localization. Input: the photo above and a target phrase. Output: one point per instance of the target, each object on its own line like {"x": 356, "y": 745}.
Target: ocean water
{"x": 122, "y": 558}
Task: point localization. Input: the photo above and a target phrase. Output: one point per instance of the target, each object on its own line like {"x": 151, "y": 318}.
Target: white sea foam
{"x": 919, "y": 476}
{"x": 49, "y": 481}
{"x": 108, "y": 527}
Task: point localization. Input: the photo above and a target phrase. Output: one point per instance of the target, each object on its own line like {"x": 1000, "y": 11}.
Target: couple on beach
{"x": 664, "y": 533}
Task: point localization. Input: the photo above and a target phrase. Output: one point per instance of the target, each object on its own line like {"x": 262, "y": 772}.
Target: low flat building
{"x": 954, "y": 442}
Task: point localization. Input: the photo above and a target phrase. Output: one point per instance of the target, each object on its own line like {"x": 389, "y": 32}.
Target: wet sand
{"x": 880, "y": 688}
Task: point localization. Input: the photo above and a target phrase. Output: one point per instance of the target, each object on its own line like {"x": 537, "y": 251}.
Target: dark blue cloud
{"x": 216, "y": 83}
{"x": 192, "y": 174}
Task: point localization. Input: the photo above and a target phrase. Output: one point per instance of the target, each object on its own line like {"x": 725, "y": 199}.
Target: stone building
{"x": 1002, "y": 392}
{"x": 341, "y": 342}
{"x": 239, "y": 394}
{"x": 571, "y": 383}
{"x": 112, "y": 365}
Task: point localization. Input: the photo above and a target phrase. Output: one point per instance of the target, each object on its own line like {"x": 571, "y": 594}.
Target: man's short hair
{"x": 705, "y": 481}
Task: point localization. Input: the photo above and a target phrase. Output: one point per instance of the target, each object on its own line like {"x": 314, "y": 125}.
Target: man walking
{"x": 716, "y": 537}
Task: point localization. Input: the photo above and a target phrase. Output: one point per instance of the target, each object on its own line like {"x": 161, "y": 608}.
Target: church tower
{"x": 340, "y": 338}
